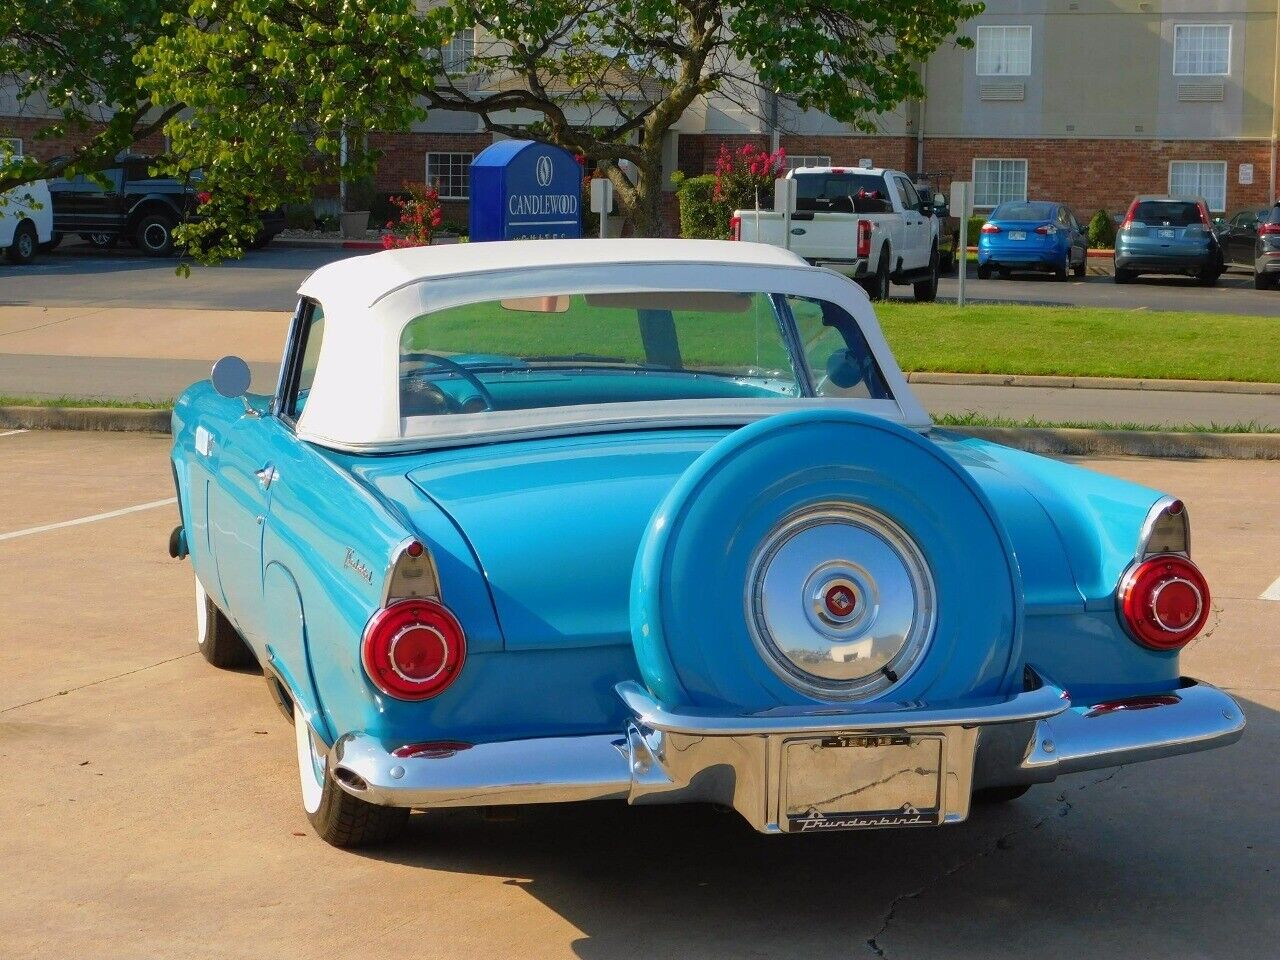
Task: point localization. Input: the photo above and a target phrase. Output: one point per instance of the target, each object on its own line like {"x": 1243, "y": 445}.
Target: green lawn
{"x": 1082, "y": 341}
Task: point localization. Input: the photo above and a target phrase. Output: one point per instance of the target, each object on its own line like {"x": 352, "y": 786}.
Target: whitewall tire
{"x": 218, "y": 640}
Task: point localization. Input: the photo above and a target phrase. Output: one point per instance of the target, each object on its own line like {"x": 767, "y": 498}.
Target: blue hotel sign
{"x": 525, "y": 190}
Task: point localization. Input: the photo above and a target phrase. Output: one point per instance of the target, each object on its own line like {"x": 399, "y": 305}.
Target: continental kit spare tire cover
{"x": 825, "y": 557}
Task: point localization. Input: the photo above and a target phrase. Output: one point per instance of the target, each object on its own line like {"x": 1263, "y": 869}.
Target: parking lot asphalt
{"x": 76, "y": 274}
{"x": 150, "y": 802}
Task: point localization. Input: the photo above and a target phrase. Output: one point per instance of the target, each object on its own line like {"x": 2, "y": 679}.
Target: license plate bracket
{"x": 860, "y": 781}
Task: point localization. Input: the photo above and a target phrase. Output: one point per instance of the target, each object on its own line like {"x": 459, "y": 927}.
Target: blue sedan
{"x": 661, "y": 521}
{"x": 1032, "y": 235}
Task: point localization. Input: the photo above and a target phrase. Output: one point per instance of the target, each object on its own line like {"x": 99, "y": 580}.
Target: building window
{"x": 995, "y": 181}
{"x": 12, "y": 148}
{"x": 796, "y": 161}
{"x": 457, "y": 53}
{"x": 1200, "y": 178}
{"x": 450, "y": 174}
{"x": 1202, "y": 49}
{"x": 1004, "y": 51}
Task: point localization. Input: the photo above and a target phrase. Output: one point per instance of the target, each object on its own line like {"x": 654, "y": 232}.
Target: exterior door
{"x": 916, "y": 235}
{"x": 97, "y": 207}
{"x": 239, "y": 499}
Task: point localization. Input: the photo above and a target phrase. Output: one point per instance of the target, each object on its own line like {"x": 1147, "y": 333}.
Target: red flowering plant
{"x": 744, "y": 177}
{"x": 420, "y": 214}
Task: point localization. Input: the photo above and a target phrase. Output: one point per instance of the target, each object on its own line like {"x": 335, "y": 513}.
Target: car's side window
{"x": 839, "y": 359}
{"x": 910, "y": 199}
{"x": 304, "y": 361}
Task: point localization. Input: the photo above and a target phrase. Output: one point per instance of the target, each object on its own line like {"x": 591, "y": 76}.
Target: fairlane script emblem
{"x": 908, "y": 816}
{"x": 352, "y": 562}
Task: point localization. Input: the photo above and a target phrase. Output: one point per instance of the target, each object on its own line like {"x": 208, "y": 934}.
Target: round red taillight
{"x": 413, "y": 649}
{"x": 1164, "y": 602}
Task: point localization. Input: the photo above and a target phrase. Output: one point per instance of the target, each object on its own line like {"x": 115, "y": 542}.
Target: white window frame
{"x": 444, "y": 180}
{"x": 802, "y": 160}
{"x": 457, "y": 54}
{"x": 16, "y": 143}
{"x": 1004, "y": 29}
{"x": 1177, "y": 27}
{"x": 1198, "y": 192}
{"x": 973, "y": 173}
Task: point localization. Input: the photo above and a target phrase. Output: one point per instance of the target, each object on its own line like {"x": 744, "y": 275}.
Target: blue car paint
{"x": 1036, "y": 250}
{"x": 694, "y": 647}
{"x": 520, "y": 530}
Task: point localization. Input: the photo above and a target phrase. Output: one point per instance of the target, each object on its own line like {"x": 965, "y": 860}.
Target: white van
{"x": 26, "y": 221}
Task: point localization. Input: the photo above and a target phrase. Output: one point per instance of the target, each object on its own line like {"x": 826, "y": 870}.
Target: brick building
{"x": 1084, "y": 101}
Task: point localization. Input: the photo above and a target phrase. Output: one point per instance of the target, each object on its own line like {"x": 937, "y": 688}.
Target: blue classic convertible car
{"x": 661, "y": 521}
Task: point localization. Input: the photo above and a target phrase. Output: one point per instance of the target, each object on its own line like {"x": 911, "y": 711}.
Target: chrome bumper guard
{"x": 666, "y": 756}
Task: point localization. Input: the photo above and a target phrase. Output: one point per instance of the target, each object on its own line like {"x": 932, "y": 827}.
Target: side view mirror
{"x": 927, "y": 208}
{"x": 843, "y": 370}
{"x": 231, "y": 377}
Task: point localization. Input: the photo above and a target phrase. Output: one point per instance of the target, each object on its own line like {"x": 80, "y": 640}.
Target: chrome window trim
{"x": 290, "y": 360}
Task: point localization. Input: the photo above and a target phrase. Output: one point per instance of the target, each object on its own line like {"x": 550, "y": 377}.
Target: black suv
{"x": 1252, "y": 239}
{"x": 134, "y": 206}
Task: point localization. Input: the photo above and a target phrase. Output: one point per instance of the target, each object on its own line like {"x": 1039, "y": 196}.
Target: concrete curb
{"x": 1093, "y": 383}
{"x": 1045, "y": 440}
{"x": 85, "y": 418}
{"x": 1062, "y": 441}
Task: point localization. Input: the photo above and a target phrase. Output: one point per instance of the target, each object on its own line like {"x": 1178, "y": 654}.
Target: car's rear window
{"x": 593, "y": 348}
{"x": 1173, "y": 213}
{"x": 1022, "y": 210}
{"x": 842, "y": 192}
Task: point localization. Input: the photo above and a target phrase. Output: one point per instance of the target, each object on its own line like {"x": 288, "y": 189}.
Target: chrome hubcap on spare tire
{"x": 840, "y": 601}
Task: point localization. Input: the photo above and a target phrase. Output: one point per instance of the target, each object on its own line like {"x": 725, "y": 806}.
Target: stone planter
{"x": 355, "y": 225}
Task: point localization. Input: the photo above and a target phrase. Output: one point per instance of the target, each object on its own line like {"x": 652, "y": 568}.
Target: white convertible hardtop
{"x": 354, "y": 402}
{"x": 368, "y": 279}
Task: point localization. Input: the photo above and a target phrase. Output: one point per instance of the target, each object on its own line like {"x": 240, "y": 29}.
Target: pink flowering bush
{"x": 420, "y": 215}
{"x": 745, "y": 176}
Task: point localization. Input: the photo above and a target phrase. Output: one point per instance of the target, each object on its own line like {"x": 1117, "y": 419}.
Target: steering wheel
{"x": 460, "y": 370}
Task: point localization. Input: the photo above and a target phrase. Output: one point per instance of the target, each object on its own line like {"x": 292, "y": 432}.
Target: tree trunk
{"x": 645, "y": 206}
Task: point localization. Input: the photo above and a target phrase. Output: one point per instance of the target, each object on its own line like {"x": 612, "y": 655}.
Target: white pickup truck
{"x": 865, "y": 222}
{"x": 26, "y": 221}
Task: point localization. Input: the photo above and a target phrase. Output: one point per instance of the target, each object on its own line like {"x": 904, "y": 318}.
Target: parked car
{"x": 662, "y": 521}
{"x": 1040, "y": 235}
{"x": 1168, "y": 235}
{"x": 1251, "y": 239}
{"x": 867, "y": 223}
{"x": 136, "y": 206}
{"x": 26, "y": 221}
{"x": 935, "y": 200}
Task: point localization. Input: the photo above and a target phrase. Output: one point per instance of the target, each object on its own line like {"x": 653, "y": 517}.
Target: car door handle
{"x": 266, "y": 476}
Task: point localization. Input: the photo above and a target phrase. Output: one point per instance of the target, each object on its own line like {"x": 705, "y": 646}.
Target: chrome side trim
{"x": 409, "y": 577}
{"x": 1149, "y": 525}
{"x": 1046, "y": 700}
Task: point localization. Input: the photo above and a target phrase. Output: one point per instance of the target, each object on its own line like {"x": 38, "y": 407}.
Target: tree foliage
{"x": 270, "y": 83}
{"x": 74, "y": 61}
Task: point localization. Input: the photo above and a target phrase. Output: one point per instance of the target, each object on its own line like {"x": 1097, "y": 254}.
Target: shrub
{"x": 420, "y": 215}
{"x": 360, "y": 194}
{"x": 975, "y": 229}
{"x": 702, "y": 216}
{"x": 1102, "y": 231}
{"x": 744, "y": 177}
{"x": 299, "y": 216}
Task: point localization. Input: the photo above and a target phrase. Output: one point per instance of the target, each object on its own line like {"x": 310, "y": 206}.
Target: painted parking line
{"x": 1272, "y": 592}
{"x": 93, "y": 519}
{"x": 10, "y": 433}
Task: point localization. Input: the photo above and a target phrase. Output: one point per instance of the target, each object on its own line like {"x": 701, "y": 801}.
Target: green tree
{"x": 74, "y": 59}
{"x": 267, "y": 79}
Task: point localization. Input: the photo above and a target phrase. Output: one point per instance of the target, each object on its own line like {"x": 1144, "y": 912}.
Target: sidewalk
{"x": 153, "y": 354}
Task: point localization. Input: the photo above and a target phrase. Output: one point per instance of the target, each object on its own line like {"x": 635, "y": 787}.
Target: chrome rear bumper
{"x": 698, "y": 756}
